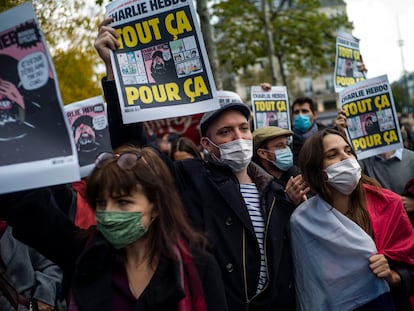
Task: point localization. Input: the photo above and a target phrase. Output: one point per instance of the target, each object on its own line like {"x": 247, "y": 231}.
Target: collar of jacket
{"x": 259, "y": 176}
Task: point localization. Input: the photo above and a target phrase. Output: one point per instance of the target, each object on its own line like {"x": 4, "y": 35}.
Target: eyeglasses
{"x": 124, "y": 160}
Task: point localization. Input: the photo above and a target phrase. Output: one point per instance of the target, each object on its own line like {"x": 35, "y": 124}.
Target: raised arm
{"x": 120, "y": 133}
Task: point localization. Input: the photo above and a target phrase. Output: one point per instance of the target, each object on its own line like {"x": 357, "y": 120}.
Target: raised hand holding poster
{"x": 371, "y": 117}
{"x": 161, "y": 67}
{"x": 348, "y": 61}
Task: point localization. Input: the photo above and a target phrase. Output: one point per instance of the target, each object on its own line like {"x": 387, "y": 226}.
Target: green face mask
{"x": 120, "y": 228}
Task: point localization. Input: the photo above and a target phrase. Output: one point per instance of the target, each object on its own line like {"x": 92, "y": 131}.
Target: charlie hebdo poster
{"x": 348, "y": 59}
{"x": 161, "y": 68}
{"x": 371, "y": 117}
{"x": 89, "y": 125}
{"x": 270, "y": 107}
{"x": 35, "y": 145}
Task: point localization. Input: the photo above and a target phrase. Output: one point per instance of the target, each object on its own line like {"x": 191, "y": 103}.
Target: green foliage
{"x": 74, "y": 70}
{"x": 8, "y": 4}
{"x": 400, "y": 95}
{"x": 303, "y": 36}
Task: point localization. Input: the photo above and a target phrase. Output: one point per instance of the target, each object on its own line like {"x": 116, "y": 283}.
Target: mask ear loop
{"x": 212, "y": 153}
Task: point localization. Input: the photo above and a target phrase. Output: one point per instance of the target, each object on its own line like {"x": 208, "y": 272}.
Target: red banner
{"x": 187, "y": 126}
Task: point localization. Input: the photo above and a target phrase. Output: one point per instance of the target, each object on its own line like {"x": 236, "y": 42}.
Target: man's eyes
{"x": 224, "y": 131}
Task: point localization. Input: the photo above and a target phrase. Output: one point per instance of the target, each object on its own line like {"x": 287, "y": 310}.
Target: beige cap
{"x": 268, "y": 132}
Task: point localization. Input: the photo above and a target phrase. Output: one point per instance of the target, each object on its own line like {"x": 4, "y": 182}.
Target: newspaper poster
{"x": 89, "y": 123}
{"x": 371, "y": 117}
{"x": 270, "y": 108}
{"x": 161, "y": 67}
{"x": 36, "y": 147}
{"x": 348, "y": 59}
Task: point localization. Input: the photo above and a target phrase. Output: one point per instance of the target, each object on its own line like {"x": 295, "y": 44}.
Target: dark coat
{"x": 212, "y": 198}
{"x": 298, "y": 142}
{"x": 214, "y": 202}
{"x": 88, "y": 262}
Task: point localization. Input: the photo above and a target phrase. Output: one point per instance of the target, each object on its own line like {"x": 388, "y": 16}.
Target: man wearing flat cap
{"x": 272, "y": 152}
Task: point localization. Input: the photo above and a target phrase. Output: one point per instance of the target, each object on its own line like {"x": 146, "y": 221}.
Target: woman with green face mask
{"x": 143, "y": 253}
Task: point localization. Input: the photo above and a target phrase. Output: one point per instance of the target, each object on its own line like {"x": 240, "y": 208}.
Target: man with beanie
{"x": 272, "y": 152}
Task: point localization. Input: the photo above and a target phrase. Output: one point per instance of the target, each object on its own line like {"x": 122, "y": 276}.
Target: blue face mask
{"x": 284, "y": 159}
{"x": 302, "y": 122}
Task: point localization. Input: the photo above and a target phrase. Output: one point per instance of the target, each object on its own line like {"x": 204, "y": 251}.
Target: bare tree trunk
{"x": 206, "y": 30}
{"x": 282, "y": 70}
{"x": 269, "y": 39}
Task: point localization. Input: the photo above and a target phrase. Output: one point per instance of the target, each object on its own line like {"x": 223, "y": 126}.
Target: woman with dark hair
{"x": 184, "y": 148}
{"x": 352, "y": 242}
{"x": 143, "y": 254}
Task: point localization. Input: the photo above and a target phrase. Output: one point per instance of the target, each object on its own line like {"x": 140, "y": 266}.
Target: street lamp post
{"x": 400, "y": 43}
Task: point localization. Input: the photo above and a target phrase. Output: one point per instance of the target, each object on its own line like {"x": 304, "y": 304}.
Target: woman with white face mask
{"x": 353, "y": 245}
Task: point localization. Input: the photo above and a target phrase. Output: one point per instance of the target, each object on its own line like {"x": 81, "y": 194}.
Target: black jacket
{"x": 212, "y": 196}
{"x": 298, "y": 142}
{"x": 213, "y": 201}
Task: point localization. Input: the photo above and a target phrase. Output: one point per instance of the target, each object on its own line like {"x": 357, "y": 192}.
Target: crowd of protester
{"x": 244, "y": 220}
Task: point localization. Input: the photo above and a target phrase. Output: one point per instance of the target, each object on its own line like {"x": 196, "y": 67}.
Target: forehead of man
{"x": 229, "y": 118}
{"x": 275, "y": 141}
{"x": 302, "y": 108}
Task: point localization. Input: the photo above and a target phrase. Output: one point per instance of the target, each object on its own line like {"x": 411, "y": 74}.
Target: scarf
{"x": 393, "y": 232}
{"x": 194, "y": 294}
{"x": 3, "y": 227}
{"x": 85, "y": 215}
{"x": 387, "y": 213}
{"x": 302, "y": 136}
{"x": 330, "y": 254}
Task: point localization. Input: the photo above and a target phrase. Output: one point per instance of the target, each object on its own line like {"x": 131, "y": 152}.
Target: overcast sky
{"x": 377, "y": 23}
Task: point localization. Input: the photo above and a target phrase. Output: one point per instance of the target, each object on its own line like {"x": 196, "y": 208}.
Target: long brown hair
{"x": 311, "y": 159}
{"x": 152, "y": 176}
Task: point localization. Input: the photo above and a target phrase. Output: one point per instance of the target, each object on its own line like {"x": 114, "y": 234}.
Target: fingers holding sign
{"x": 106, "y": 41}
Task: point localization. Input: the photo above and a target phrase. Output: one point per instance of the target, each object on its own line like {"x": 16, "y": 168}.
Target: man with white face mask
{"x": 250, "y": 210}
{"x": 243, "y": 212}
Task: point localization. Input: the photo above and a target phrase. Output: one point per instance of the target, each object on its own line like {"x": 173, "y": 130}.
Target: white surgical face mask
{"x": 344, "y": 176}
{"x": 237, "y": 153}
